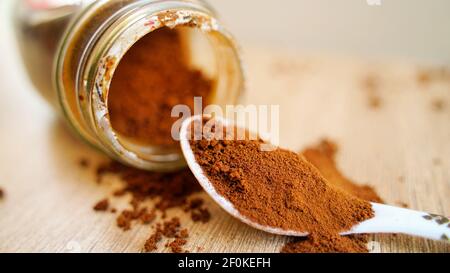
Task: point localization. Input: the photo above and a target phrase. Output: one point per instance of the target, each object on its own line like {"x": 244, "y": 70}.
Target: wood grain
{"x": 401, "y": 148}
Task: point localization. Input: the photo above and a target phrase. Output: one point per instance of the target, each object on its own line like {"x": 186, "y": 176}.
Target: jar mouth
{"x": 107, "y": 57}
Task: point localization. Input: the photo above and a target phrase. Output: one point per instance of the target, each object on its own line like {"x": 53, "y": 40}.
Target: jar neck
{"x": 84, "y": 92}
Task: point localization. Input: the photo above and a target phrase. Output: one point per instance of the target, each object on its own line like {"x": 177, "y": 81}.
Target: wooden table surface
{"x": 394, "y": 136}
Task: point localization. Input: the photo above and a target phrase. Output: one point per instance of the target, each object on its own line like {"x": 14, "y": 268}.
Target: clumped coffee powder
{"x": 153, "y": 77}
{"x": 322, "y": 156}
{"x": 280, "y": 189}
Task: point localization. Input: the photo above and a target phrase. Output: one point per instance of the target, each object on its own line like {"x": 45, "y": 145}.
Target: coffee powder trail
{"x": 167, "y": 190}
{"x": 322, "y": 156}
{"x": 280, "y": 189}
{"x": 153, "y": 77}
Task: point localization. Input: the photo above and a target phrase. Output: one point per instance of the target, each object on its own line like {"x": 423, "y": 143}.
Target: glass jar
{"x": 72, "y": 48}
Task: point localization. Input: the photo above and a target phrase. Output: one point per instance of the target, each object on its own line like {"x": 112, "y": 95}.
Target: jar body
{"x": 71, "y": 52}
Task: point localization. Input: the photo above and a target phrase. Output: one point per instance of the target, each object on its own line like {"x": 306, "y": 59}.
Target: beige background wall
{"x": 413, "y": 29}
{"x": 418, "y": 29}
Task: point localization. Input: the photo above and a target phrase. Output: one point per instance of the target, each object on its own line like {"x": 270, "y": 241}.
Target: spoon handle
{"x": 389, "y": 219}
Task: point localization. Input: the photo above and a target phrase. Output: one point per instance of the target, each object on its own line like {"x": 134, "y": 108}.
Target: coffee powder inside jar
{"x": 150, "y": 80}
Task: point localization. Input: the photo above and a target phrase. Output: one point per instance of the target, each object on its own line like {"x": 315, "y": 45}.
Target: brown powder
{"x": 200, "y": 215}
{"x": 371, "y": 84}
{"x": 168, "y": 229}
{"x": 84, "y": 163}
{"x": 280, "y": 189}
{"x": 318, "y": 243}
{"x": 438, "y": 105}
{"x": 322, "y": 156}
{"x": 102, "y": 205}
{"x": 152, "y": 242}
{"x": 167, "y": 190}
{"x": 153, "y": 77}
{"x": 198, "y": 212}
{"x": 427, "y": 75}
{"x": 177, "y": 245}
{"x": 2, "y": 193}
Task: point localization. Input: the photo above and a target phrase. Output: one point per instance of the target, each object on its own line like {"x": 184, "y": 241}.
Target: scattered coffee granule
{"x": 423, "y": 77}
{"x": 167, "y": 190}
{"x": 152, "y": 242}
{"x": 84, "y": 163}
{"x": 148, "y": 217}
{"x": 427, "y": 75}
{"x": 195, "y": 203}
{"x": 371, "y": 83}
{"x": 127, "y": 217}
{"x": 2, "y": 193}
{"x": 177, "y": 245}
{"x": 200, "y": 215}
{"x": 184, "y": 233}
{"x": 279, "y": 188}
{"x": 102, "y": 205}
{"x": 168, "y": 229}
{"x": 153, "y": 77}
{"x": 374, "y": 101}
{"x": 438, "y": 105}
{"x": 403, "y": 204}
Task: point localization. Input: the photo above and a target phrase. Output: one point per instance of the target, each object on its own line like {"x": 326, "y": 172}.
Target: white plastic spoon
{"x": 387, "y": 219}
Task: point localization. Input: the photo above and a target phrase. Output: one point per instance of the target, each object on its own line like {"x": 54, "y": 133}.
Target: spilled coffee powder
{"x": 2, "y": 193}
{"x": 168, "y": 229}
{"x": 166, "y": 190}
{"x": 281, "y": 189}
{"x": 102, "y": 205}
{"x": 322, "y": 156}
{"x": 153, "y": 77}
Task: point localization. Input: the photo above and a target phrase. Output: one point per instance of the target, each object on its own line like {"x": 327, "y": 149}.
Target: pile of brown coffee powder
{"x": 153, "y": 77}
{"x": 322, "y": 156}
{"x": 281, "y": 189}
